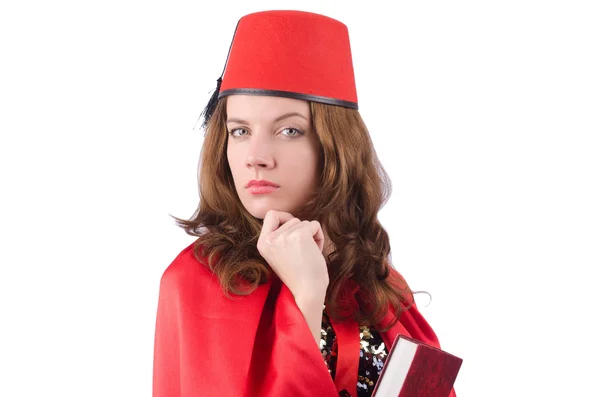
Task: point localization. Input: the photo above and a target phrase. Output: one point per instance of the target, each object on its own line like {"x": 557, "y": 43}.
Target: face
{"x": 271, "y": 139}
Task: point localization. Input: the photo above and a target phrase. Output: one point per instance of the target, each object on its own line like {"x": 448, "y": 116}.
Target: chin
{"x": 260, "y": 211}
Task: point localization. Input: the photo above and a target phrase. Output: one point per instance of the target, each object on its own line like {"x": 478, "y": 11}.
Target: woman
{"x": 288, "y": 290}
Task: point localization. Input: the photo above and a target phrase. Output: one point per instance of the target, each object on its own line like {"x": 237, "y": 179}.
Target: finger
{"x": 318, "y": 236}
{"x": 297, "y": 225}
{"x": 273, "y": 219}
{"x": 311, "y": 228}
{"x": 286, "y": 226}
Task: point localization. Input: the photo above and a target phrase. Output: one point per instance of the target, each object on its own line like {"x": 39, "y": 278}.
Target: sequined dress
{"x": 372, "y": 356}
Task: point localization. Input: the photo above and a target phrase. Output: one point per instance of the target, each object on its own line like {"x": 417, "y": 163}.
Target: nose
{"x": 260, "y": 152}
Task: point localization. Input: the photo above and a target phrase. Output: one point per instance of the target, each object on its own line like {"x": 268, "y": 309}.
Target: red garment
{"x": 258, "y": 345}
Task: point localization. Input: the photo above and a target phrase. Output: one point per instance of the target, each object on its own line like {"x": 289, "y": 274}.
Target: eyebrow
{"x": 283, "y": 116}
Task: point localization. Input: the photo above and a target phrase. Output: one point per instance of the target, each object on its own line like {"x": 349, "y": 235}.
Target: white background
{"x": 486, "y": 115}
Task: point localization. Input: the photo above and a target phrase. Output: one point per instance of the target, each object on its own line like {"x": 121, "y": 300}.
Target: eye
{"x": 236, "y": 129}
{"x": 297, "y": 131}
{"x": 294, "y": 132}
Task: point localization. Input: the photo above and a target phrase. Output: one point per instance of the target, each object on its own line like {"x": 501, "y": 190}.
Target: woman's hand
{"x": 293, "y": 249}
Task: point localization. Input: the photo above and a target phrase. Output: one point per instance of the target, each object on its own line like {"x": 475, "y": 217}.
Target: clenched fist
{"x": 293, "y": 249}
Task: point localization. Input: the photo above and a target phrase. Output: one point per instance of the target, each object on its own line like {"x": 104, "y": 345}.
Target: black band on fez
{"x": 288, "y": 94}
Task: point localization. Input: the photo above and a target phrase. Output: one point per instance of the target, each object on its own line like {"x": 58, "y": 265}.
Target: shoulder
{"x": 401, "y": 286}
{"x": 188, "y": 270}
{"x": 190, "y": 288}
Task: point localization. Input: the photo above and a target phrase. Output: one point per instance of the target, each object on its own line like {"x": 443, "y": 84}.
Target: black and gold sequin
{"x": 372, "y": 355}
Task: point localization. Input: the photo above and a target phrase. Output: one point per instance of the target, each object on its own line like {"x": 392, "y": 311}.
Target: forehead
{"x": 264, "y": 108}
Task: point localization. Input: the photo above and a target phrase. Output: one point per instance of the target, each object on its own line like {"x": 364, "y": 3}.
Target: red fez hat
{"x": 294, "y": 54}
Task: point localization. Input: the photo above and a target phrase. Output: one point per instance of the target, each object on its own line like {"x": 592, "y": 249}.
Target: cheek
{"x": 305, "y": 160}
{"x": 233, "y": 163}
{"x": 232, "y": 155}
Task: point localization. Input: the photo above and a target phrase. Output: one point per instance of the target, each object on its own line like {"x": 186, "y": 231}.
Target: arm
{"x": 311, "y": 306}
{"x": 167, "y": 358}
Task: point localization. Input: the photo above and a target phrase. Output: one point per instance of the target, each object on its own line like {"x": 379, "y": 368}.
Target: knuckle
{"x": 264, "y": 243}
{"x": 293, "y": 236}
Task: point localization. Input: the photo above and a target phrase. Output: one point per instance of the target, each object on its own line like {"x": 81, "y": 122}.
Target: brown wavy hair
{"x": 352, "y": 189}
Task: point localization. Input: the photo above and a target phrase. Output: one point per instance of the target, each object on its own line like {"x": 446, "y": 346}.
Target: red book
{"x": 416, "y": 369}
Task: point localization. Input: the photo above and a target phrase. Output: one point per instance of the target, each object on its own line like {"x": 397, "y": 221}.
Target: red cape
{"x": 259, "y": 345}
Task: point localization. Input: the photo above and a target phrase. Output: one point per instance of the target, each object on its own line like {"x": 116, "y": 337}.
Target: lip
{"x": 261, "y": 183}
{"x": 262, "y": 189}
